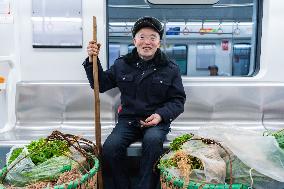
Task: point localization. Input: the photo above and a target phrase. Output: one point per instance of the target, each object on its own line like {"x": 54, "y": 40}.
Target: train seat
{"x": 41, "y": 107}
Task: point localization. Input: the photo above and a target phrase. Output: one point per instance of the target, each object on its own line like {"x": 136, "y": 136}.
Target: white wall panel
{"x": 57, "y": 64}
{"x": 65, "y": 64}
{"x": 272, "y": 60}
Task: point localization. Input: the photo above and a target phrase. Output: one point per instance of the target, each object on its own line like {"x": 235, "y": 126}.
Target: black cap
{"x": 213, "y": 67}
{"x": 148, "y": 21}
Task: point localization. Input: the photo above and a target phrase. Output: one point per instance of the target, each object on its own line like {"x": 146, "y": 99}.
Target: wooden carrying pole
{"x": 97, "y": 106}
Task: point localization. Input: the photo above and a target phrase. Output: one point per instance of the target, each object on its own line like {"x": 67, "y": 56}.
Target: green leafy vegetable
{"x": 175, "y": 146}
{"x": 16, "y": 152}
{"x": 194, "y": 162}
{"x": 167, "y": 163}
{"x": 42, "y": 150}
{"x": 178, "y": 142}
{"x": 279, "y": 136}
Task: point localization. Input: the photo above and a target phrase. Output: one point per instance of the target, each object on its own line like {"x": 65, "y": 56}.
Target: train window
{"x": 130, "y": 48}
{"x": 224, "y": 34}
{"x": 114, "y": 53}
{"x": 205, "y": 55}
{"x": 182, "y": 2}
{"x": 116, "y": 50}
{"x": 178, "y": 53}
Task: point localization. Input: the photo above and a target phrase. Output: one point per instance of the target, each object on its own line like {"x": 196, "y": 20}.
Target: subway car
{"x": 43, "y": 45}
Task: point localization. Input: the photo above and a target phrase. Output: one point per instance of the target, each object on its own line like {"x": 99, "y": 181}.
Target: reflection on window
{"x": 195, "y": 36}
{"x": 178, "y": 53}
{"x": 241, "y": 59}
{"x": 205, "y": 55}
{"x": 130, "y": 48}
{"x": 114, "y": 53}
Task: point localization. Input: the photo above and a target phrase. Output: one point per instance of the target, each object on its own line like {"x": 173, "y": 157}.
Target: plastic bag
{"x": 214, "y": 165}
{"x": 25, "y": 171}
{"x": 49, "y": 170}
{"x": 20, "y": 164}
{"x": 248, "y": 176}
{"x": 261, "y": 160}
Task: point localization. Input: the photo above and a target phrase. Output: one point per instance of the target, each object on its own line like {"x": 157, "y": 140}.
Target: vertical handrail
{"x": 8, "y": 87}
{"x": 8, "y": 59}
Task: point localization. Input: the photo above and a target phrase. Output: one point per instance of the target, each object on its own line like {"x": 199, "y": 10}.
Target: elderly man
{"x": 152, "y": 96}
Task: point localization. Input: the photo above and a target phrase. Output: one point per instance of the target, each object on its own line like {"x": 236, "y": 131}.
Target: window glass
{"x": 241, "y": 59}
{"x": 196, "y": 36}
{"x": 205, "y": 55}
{"x": 114, "y": 53}
{"x": 177, "y": 53}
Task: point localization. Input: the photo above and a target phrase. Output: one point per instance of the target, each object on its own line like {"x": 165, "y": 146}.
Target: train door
{"x": 241, "y": 59}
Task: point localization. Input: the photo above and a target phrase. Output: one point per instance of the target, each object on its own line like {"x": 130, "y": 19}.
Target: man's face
{"x": 147, "y": 41}
{"x": 213, "y": 71}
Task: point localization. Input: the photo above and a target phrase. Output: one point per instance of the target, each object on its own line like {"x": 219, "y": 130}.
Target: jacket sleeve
{"x": 174, "y": 106}
{"x": 106, "y": 78}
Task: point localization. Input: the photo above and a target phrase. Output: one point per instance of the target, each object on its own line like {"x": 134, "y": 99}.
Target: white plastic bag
{"x": 214, "y": 165}
{"x": 262, "y": 160}
{"x": 20, "y": 164}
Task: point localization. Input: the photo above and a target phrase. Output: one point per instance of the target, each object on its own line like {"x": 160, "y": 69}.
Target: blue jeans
{"x": 126, "y": 132}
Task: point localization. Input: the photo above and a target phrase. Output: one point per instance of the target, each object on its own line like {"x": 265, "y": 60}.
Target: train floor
{"x": 133, "y": 166}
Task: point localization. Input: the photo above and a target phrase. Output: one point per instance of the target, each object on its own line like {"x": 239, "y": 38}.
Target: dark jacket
{"x": 148, "y": 87}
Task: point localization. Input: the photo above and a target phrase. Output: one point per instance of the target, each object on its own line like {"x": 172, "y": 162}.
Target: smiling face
{"x": 147, "y": 41}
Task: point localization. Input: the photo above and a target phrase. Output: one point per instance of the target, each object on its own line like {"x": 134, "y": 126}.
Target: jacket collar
{"x": 160, "y": 58}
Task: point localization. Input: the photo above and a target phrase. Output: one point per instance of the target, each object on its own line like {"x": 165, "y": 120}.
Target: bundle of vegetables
{"x": 59, "y": 161}
{"x": 42, "y": 150}
{"x": 194, "y": 162}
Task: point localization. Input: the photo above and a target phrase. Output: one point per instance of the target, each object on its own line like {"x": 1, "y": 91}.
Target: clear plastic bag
{"x": 20, "y": 164}
{"x": 261, "y": 160}
{"x": 24, "y": 172}
{"x": 214, "y": 165}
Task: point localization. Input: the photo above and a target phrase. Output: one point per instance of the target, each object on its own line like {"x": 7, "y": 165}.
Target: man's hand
{"x": 93, "y": 49}
{"x": 152, "y": 120}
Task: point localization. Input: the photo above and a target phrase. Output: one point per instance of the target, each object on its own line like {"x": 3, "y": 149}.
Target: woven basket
{"x": 169, "y": 181}
{"x": 88, "y": 180}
